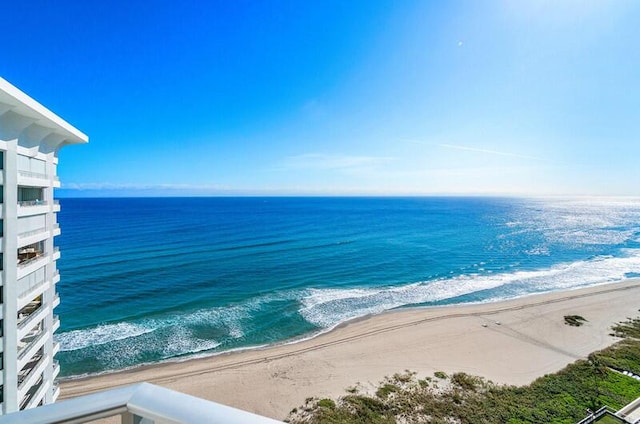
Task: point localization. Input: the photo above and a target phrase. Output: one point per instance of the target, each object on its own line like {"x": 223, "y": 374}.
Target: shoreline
{"x": 273, "y": 379}
{"x": 310, "y": 336}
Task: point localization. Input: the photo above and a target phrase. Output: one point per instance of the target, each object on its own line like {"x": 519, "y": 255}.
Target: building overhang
{"x": 32, "y": 124}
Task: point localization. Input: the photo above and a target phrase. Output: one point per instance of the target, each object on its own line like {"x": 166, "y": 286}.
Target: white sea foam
{"x": 101, "y": 334}
{"x": 327, "y": 307}
{"x": 183, "y": 342}
{"x": 229, "y": 317}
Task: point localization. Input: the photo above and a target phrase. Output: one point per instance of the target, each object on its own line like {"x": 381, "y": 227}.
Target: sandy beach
{"x": 510, "y": 342}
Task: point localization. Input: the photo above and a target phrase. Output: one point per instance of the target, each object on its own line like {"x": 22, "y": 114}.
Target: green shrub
{"x": 385, "y": 390}
{"x": 574, "y": 320}
{"x": 326, "y": 403}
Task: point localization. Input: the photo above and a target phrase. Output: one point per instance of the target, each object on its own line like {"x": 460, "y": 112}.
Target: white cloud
{"x": 487, "y": 151}
{"x": 478, "y": 150}
{"x": 333, "y": 162}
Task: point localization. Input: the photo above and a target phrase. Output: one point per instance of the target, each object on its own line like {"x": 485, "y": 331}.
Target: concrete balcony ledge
{"x": 137, "y": 403}
{"x": 33, "y": 179}
{"x": 56, "y": 253}
{"x": 33, "y": 399}
{"x": 56, "y": 369}
{"x": 26, "y": 294}
{"x": 32, "y": 374}
{"x": 56, "y": 323}
{"x": 26, "y": 234}
{"x": 30, "y": 237}
{"x": 29, "y": 352}
{"x": 26, "y": 268}
{"x": 27, "y": 323}
{"x": 29, "y": 174}
{"x": 56, "y": 348}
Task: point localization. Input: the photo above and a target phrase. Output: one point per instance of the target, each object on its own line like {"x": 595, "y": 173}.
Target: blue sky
{"x": 336, "y": 97}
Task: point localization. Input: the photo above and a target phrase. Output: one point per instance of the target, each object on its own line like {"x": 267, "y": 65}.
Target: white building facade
{"x": 30, "y": 138}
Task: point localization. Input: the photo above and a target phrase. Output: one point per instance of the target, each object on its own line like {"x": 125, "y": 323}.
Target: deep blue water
{"x": 150, "y": 279}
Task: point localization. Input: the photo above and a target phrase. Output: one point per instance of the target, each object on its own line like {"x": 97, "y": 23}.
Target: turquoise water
{"x": 150, "y": 279}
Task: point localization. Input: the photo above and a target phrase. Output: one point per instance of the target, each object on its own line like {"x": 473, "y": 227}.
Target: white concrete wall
{"x": 30, "y": 137}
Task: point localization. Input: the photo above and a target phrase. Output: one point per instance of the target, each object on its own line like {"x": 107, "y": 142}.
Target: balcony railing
{"x": 30, "y": 260}
{"x": 141, "y": 402}
{"x": 30, "y": 174}
{"x": 26, "y": 285}
{"x": 25, "y": 372}
{"x": 31, "y": 393}
{"x": 29, "y": 340}
{"x": 32, "y": 232}
{"x": 28, "y": 203}
{"x": 26, "y": 314}
{"x": 56, "y": 347}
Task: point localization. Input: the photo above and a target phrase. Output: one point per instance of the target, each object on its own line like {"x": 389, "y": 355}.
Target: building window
{"x": 1, "y": 328}
{"x": 29, "y": 253}
{"x": 1, "y": 159}
{"x": 29, "y": 196}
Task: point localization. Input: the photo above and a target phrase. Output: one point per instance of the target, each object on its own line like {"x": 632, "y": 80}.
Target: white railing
{"x": 596, "y": 415}
{"x": 141, "y": 402}
{"x": 29, "y": 344}
{"x": 28, "y": 314}
{"x": 29, "y": 370}
{"x": 30, "y": 174}
{"x": 56, "y": 347}
{"x": 27, "y": 203}
{"x": 31, "y": 393}
{"x": 26, "y": 285}
{"x": 32, "y": 232}
{"x": 26, "y": 262}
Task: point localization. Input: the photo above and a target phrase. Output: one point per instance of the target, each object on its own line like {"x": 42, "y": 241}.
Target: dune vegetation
{"x": 562, "y": 397}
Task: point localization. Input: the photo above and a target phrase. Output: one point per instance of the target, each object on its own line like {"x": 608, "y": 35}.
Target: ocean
{"x": 145, "y": 280}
